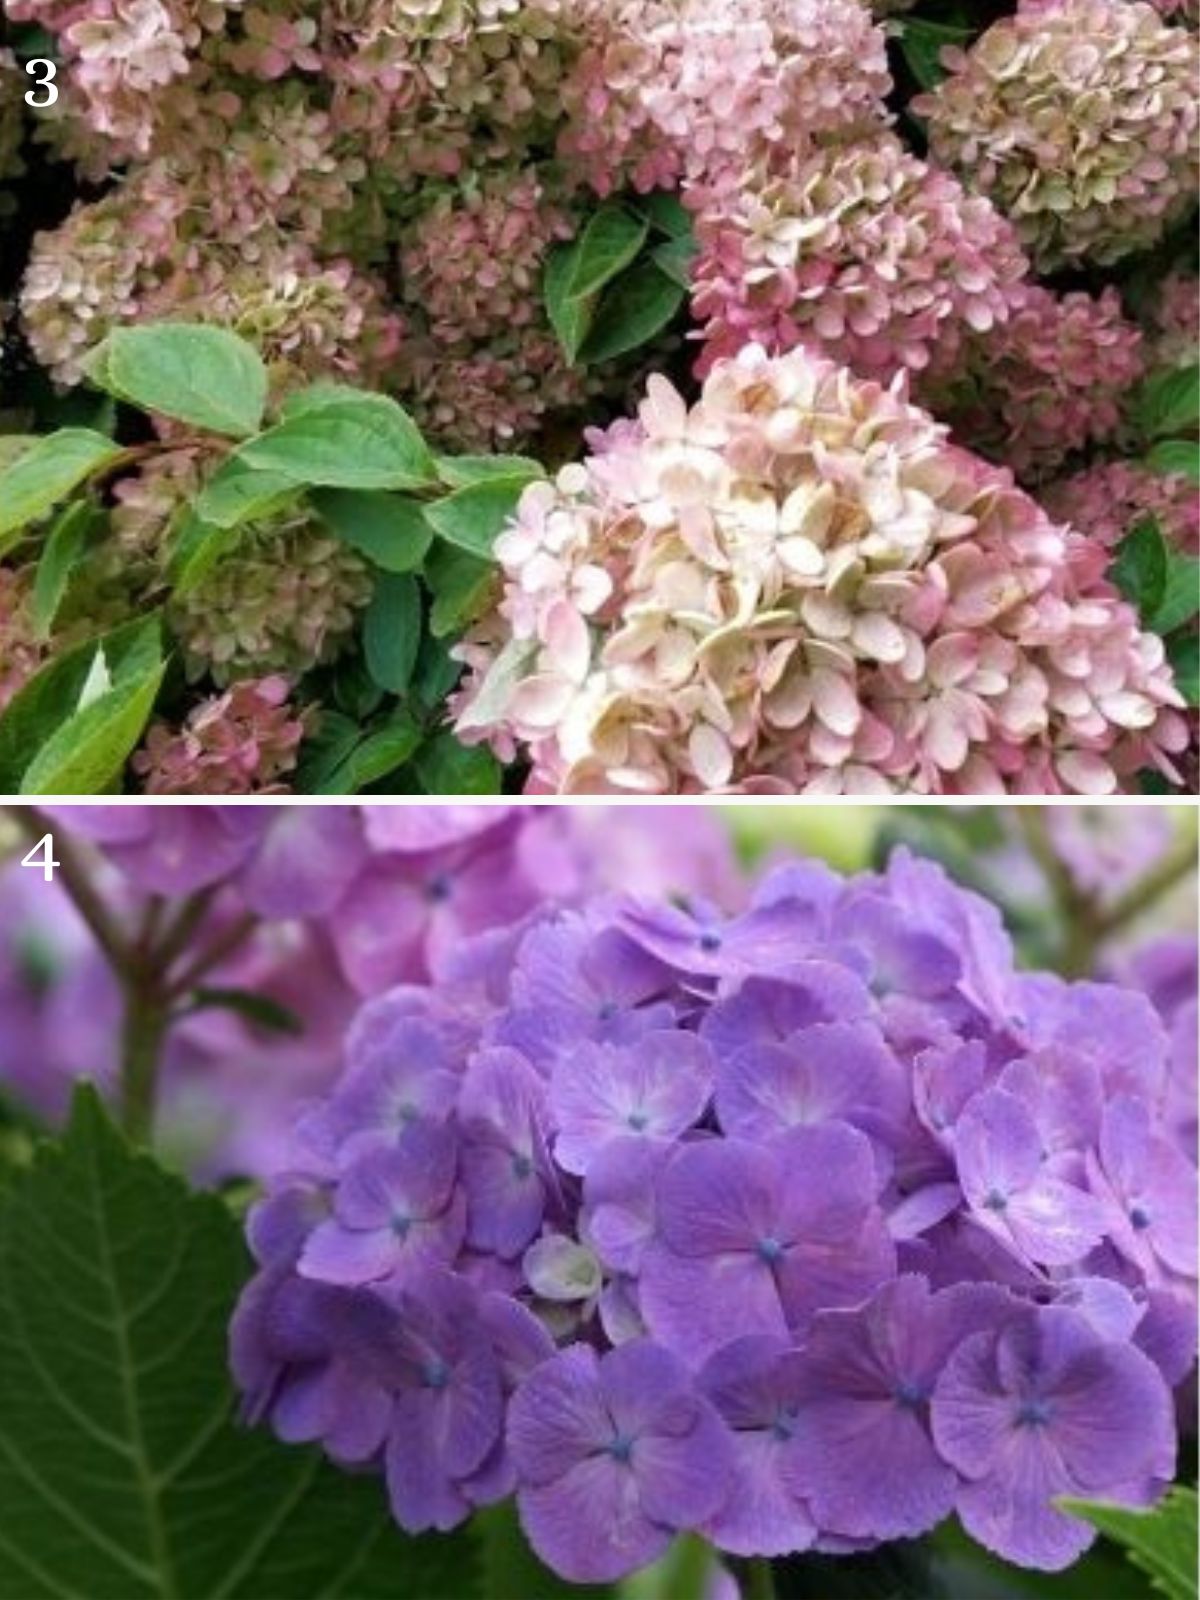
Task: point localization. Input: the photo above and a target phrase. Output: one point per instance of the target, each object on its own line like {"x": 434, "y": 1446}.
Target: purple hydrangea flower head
{"x": 657, "y": 1088}
{"x": 834, "y": 1071}
{"x": 616, "y": 1454}
{"x": 1010, "y": 1187}
{"x": 756, "y": 1238}
{"x": 1045, "y": 1407}
{"x": 865, "y": 1460}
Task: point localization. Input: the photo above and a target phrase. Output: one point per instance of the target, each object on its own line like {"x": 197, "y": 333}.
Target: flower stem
{"x": 760, "y": 1580}
{"x": 143, "y": 1033}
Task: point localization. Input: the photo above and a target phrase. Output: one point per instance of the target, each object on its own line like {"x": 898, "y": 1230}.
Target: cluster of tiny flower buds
{"x": 801, "y": 1229}
{"x": 799, "y": 585}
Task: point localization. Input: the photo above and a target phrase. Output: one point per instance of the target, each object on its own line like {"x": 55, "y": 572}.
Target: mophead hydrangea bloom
{"x": 800, "y": 584}
{"x": 1053, "y": 378}
{"x": 283, "y": 601}
{"x": 1079, "y": 119}
{"x": 862, "y": 252}
{"x": 244, "y": 741}
{"x": 1108, "y": 500}
{"x": 806, "y": 1227}
{"x": 664, "y": 91}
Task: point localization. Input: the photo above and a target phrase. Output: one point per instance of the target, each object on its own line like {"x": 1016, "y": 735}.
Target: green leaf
{"x": 460, "y": 472}
{"x": 378, "y": 755}
{"x": 460, "y": 585}
{"x": 324, "y": 751}
{"x": 341, "y": 439}
{"x": 238, "y": 493}
{"x": 676, "y": 258}
{"x": 204, "y": 376}
{"x": 51, "y": 697}
{"x": 64, "y": 549}
{"x": 389, "y": 529}
{"x": 922, "y": 44}
{"x": 1180, "y": 598}
{"x": 1183, "y": 652}
{"x": 963, "y": 1570}
{"x": 446, "y": 767}
{"x": 123, "y": 1472}
{"x": 1161, "y": 1542}
{"x": 666, "y": 213}
{"x": 392, "y": 631}
{"x": 637, "y": 307}
{"x": 569, "y": 318}
{"x": 1169, "y": 403}
{"x": 86, "y": 754}
{"x": 258, "y": 1009}
{"x": 606, "y": 247}
{"x": 1176, "y": 456}
{"x": 1139, "y": 567}
{"x": 474, "y": 518}
{"x": 48, "y": 472}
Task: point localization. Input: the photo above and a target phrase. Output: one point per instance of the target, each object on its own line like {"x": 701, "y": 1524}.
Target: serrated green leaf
{"x": 389, "y": 529}
{"x": 474, "y": 518}
{"x": 1180, "y": 456}
{"x": 123, "y": 1473}
{"x": 460, "y": 472}
{"x": 607, "y": 245}
{"x": 634, "y": 310}
{"x": 392, "y": 631}
{"x": 460, "y": 585}
{"x": 341, "y": 439}
{"x": 65, "y": 547}
{"x": 48, "y": 472}
{"x": 258, "y": 1009}
{"x": 1168, "y": 403}
{"x": 378, "y": 755}
{"x": 205, "y": 376}
{"x": 446, "y": 767}
{"x": 1161, "y": 1542}
{"x": 238, "y": 493}
{"x": 48, "y": 699}
{"x": 1179, "y": 601}
{"x": 569, "y": 318}
{"x": 196, "y": 548}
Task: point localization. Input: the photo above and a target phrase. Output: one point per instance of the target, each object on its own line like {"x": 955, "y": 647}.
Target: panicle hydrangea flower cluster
{"x": 1052, "y": 379}
{"x": 671, "y": 90}
{"x": 1173, "y": 323}
{"x": 242, "y": 742}
{"x": 801, "y": 1229}
{"x": 1108, "y": 500}
{"x": 799, "y": 585}
{"x": 20, "y": 651}
{"x": 863, "y": 252}
{"x": 285, "y": 600}
{"x": 350, "y": 901}
{"x": 1079, "y": 119}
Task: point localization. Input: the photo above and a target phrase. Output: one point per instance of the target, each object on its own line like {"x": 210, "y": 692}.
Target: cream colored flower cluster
{"x": 1079, "y": 119}
{"x": 798, "y": 585}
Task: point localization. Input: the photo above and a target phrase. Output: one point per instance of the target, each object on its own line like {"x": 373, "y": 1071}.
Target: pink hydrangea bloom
{"x": 20, "y": 652}
{"x": 865, "y": 253}
{"x": 1172, "y": 322}
{"x": 1079, "y": 118}
{"x": 696, "y": 89}
{"x": 1053, "y": 378}
{"x": 1108, "y": 500}
{"x": 242, "y": 742}
{"x": 799, "y": 584}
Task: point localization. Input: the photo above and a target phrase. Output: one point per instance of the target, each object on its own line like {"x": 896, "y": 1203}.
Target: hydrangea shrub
{"x": 506, "y": 219}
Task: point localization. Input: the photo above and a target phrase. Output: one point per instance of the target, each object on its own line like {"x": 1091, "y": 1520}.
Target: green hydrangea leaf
{"x": 238, "y": 493}
{"x": 337, "y": 438}
{"x": 46, "y": 473}
{"x": 460, "y": 472}
{"x": 1183, "y": 652}
{"x": 392, "y": 631}
{"x": 208, "y": 377}
{"x": 637, "y": 307}
{"x": 123, "y": 1473}
{"x": 922, "y": 43}
{"x": 1180, "y": 456}
{"x": 1162, "y": 1542}
{"x": 389, "y": 529}
{"x": 473, "y": 518}
{"x": 1168, "y": 403}
{"x": 569, "y": 318}
{"x": 65, "y": 547}
{"x": 1139, "y": 567}
{"x": 444, "y": 766}
{"x": 607, "y": 245}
